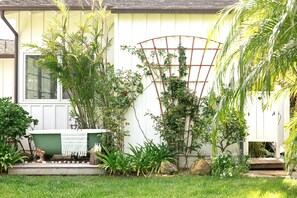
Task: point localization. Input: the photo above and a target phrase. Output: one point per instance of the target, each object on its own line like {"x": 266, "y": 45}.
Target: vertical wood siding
{"x": 31, "y": 25}
{"x": 131, "y": 29}
{"x": 6, "y": 77}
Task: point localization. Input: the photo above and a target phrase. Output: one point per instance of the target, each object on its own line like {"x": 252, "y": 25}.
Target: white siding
{"x": 50, "y": 116}
{"x": 31, "y": 25}
{"x": 267, "y": 125}
{"x": 6, "y": 77}
{"x": 130, "y": 29}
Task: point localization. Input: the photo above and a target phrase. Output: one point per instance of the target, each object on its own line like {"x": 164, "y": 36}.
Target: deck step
{"x": 54, "y": 169}
{"x": 266, "y": 164}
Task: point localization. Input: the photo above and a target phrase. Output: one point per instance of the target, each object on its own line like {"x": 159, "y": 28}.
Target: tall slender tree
{"x": 260, "y": 52}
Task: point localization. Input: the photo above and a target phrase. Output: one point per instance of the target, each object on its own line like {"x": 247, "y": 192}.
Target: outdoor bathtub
{"x": 50, "y": 140}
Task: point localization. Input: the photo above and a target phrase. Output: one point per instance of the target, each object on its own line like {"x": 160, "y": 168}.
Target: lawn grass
{"x": 156, "y": 186}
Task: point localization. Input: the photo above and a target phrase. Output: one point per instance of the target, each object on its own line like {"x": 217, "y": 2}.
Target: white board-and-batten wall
{"x": 6, "y": 77}
{"x": 31, "y": 25}
{"x": 129, "y": 29}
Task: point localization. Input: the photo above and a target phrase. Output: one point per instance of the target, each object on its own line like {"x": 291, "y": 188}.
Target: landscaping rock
{"x": 167, "y": 168}
{"x": 201, "y": 167}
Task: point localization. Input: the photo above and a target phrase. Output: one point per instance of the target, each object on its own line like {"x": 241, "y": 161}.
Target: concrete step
{"x": 268, "y": 173}
{"x": 266, "y": 164}
{"x": 55, "y": 169}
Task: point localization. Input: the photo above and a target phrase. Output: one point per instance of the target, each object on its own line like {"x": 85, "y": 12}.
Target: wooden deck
{"x": 266, "y": 164}
{"x": 57, "y": 168}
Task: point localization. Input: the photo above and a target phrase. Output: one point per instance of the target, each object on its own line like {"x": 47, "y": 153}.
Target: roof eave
{"x": 115, "y": 10}
{"x": 41, "y": 8}
{"x": 164, "y": 11}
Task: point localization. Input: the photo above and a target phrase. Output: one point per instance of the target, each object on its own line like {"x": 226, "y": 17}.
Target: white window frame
{"x": 59, "y": 98}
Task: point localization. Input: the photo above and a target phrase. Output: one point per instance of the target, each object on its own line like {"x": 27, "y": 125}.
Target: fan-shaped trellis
{"x": 162, "y": 56}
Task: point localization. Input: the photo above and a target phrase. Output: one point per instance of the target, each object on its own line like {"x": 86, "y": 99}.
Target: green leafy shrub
{"x": 14, "y": 120}
{"x": 109, "y": 160}
{"x": 226, "y": 165}
{"x": 9, "y": 156}
{"x": 258, "y": 149}
{"x": 231, "y": 125}
{"x": 143, "y": 160}
{"x": 158, "y": 154}
{"x": 180, "y": 104}
{"x": 140, "y": 160}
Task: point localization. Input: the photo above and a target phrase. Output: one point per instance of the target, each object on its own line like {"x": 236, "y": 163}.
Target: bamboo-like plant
{"x": 99, "y": 95}
{"x": 259, "y": 53}
{"x": 77, "y": 59}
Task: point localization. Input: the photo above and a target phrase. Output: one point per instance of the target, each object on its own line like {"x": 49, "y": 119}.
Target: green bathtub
{"x": 50, "y": 140}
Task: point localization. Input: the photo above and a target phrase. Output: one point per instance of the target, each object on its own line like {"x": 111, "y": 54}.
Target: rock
{"x": 201, "y": 167}
{"x": 167, "y": 168}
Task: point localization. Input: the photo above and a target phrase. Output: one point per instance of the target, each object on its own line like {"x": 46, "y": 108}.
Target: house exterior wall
{"x": 130, "y": 29}
{"x": 31, "y": 25}
{"x": 6, "y": 77}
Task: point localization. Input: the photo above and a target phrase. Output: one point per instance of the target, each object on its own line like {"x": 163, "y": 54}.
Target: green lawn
{"x": 157, "y": 186}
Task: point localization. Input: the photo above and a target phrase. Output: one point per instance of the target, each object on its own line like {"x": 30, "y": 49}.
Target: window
{"x": 39, "y": 83}
{"x": 65, "y": 95}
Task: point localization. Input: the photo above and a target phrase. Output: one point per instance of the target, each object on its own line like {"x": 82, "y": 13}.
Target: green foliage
{"x": 157, "y": 153}
{"x": 8, "y": 156}
{"x": 14, "y": 120}
{"x": 99, "y": 95}
{"x": 114, "y": 162}
{"x": 291, "y": 144}
{"x": 179, "y": 102}
{"x": 147, "y": 159}
{"x": 143, "y": 160}
{"x": 226, "y": 165}
{"x": 262, "y": 42}
{"x": 118, "y": 90}
{"x": 257, "y": 150}
{"x": 230, "y": 126}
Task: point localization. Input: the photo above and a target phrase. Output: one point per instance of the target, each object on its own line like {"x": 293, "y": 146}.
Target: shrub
{"x": 226, "y": 165}
{"x": 143, "y": 160}
{"x": 158, "y": 153}
{"x": 8, "y": 156}
{"x": 14, "y": 120}
{"x": 109, "y": 160}
{"x": 231, "y": 126}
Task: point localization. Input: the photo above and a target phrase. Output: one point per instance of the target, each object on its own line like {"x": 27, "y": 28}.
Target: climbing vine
{"x": 180, "y": 103}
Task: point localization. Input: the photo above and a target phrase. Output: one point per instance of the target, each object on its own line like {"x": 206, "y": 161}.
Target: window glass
{"x": 39, "y": 83}
{"x": 65, "y": 95}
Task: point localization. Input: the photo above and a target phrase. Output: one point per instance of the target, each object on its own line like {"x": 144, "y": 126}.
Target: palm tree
{"x": 260, "y": 52}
